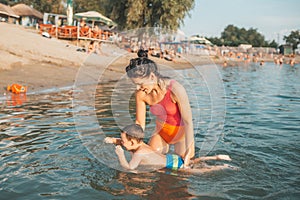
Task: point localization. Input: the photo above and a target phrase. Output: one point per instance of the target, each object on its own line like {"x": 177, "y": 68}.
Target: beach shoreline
{"x": 41, "y": 63}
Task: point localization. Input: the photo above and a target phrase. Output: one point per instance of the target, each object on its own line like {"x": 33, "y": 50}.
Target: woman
{"x": 168, "y": 100}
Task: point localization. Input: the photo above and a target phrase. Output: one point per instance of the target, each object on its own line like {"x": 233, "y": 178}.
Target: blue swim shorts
{"x": 174, "y": 161}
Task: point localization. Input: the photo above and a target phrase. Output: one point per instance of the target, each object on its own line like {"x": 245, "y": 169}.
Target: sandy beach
{"x": 41, "y": 63}
{"x": 29, "y": 59}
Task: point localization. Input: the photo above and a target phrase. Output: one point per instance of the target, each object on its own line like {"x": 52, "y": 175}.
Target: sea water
{"x": 48, "y": 150}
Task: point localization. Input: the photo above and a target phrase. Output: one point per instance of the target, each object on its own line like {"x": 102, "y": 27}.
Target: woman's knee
{"x": 180, "y": 149}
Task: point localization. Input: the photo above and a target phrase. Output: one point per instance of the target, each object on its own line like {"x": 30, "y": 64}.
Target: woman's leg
{"x": 209, "y": 169}
{"x": 159, "y": 144}
{"x": 180, "y": 148}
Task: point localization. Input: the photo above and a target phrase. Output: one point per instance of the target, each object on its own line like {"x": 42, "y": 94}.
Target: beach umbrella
{"x": 70, "y": 12}
{"x": 199, "y": 40}
{"x": 95, "y": 17}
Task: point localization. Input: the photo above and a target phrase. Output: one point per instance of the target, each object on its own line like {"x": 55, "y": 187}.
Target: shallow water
{"x": 44, "y": 157}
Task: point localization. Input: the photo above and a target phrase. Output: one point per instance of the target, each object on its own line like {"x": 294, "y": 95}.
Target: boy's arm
{"x": 111, "y": 140}
{"x": 124, "y": 163}
{"x": 121, "y": 156}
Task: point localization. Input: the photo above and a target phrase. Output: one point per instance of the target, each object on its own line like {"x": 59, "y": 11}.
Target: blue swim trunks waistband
{"x": 174, "y": 161}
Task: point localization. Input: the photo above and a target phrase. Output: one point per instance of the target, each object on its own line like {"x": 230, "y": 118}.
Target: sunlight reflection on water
{"x": 42, "y": 155}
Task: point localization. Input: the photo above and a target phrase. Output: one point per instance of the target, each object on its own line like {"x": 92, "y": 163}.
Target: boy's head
{"x": 131, "y": 135}
{"x": 134, "y": 131}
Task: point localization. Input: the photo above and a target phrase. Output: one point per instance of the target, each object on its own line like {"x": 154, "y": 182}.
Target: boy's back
{"x": 148, "y": 156}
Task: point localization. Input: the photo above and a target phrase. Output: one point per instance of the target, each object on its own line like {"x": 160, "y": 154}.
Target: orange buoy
{"x": 16, "y": 88}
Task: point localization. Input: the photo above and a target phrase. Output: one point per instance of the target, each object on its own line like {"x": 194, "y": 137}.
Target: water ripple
{"x": 42, "y": 156}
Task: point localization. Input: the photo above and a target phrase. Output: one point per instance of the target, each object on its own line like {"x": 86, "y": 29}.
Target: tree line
{"x": 234, "y": 36}
{"x": 128, "y": 14}
{"x": 293, "y": 39}
{"x": 132, "y": 14}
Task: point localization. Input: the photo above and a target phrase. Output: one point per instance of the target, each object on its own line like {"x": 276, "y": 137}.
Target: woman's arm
{"x": 181, "y": 97}
{"x": 217, "y": 157}
{"x": 140, "y": 109}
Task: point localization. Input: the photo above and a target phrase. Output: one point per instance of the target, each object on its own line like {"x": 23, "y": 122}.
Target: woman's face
{"x": 144, "y": 84}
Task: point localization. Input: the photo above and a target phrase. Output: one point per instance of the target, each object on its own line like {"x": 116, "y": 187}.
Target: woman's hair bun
{"x": 142, "y": 53}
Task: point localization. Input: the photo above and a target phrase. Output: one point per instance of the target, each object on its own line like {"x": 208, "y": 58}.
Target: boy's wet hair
{"x": 134, "y": 131}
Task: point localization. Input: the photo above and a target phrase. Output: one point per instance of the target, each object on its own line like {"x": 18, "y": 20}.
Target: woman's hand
{"x": 187, "y": 158}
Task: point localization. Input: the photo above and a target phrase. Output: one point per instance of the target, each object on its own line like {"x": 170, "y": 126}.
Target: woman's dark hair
{"x": 141, "y": 68}
{"x": 142, "y": 53}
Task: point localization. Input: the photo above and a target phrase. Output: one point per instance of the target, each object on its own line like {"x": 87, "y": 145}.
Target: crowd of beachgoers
{"x": 25, "y": 54}
{"x": 260, "y": 57}
{"x": 227, "y": 56}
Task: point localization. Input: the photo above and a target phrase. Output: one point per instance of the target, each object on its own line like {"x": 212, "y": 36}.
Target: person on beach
{"x": 169, "y": 102}
{"x": 143, "y": 154}
{"x": 92, "y": 48}
{"x": 292, "y": 60}
{"x": 95, "y": 47}
{"x": 262, "y": 63}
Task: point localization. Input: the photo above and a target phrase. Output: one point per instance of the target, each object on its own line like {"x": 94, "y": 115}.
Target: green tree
{"x": 229, "y": 36}
{"x": 118, "y": 12}
{"x": 273, "y": 44}
{"x": 255, "y": 38}
{"x": 6, "y": 2}
{"x": 95, "y": 5}
{"x": 234, "y": 36}
{"x": 130, "y": 14}
{"x": 216, "y": 41}
{"x": 50, "y": 6}
{"x": 293, "y": 39}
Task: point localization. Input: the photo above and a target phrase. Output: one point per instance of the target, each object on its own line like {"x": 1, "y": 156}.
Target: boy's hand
{"x": 223, "y": 157}
{"x": 109, "y": 140}
{"x": 119, "y": 150}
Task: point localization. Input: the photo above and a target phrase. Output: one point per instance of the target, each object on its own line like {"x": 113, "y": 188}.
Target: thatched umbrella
{"x": 7, "y": 11}
{"x": 24, "y": 10}
{"x": 196, "y": 39}
{"x": 95, "y": 17}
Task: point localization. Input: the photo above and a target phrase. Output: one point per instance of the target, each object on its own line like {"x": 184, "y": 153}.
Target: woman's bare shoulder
{"x": 177, "y": 88}
{"x": 176, "y": 85}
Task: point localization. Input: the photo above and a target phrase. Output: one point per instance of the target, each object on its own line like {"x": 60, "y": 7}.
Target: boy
{"x": 142, "y": 154}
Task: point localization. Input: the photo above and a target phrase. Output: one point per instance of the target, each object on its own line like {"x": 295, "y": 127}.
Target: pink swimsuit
{"x": 168, "y": 122}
